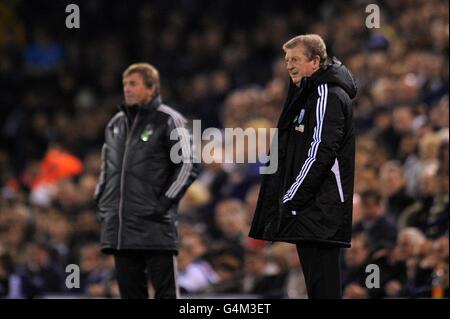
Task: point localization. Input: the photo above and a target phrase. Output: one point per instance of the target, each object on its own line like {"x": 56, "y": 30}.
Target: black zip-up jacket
{"x": 310, "y": 196}
{"x": 139, "y": 185}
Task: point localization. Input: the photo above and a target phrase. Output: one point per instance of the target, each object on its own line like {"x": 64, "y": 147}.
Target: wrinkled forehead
{"x": 297, "y": 51}
{"x": 133, "y": 77}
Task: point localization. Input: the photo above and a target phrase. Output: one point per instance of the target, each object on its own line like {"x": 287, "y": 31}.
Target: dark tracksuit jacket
{"x": 139, "y": 185}
{"x": 309, "y": 198}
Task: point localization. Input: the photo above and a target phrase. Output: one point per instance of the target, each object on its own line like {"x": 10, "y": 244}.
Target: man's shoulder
{"x": 327, "y": 89}
{"x": 170, "y": 113}
{"x": 329, "y": 92}
{"x": 117, "y": 117}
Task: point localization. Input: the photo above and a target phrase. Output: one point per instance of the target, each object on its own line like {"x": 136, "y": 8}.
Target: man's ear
{"x": 152, "y": 91}
{"x": 317, "y": 61}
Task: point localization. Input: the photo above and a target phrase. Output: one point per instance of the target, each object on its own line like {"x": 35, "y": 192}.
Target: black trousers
{"x": 134, "y": 268}
{"x": 321, "y": 268}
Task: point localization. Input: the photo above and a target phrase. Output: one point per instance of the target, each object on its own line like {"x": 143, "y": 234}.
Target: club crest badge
{"x": 148, "y": 131}
{"x": 298, "y": 119}
{"x": 301, "y": 116}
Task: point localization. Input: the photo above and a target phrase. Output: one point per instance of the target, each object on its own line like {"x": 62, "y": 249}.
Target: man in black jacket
{"x": 147, "y": 165}
{"x": 308, "y": 200}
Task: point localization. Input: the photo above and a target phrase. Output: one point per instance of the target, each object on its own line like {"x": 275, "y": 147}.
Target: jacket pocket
{"x": 337, "y": 175}
{"x": 331, "y": 191}
{"x": 297, "y": 207}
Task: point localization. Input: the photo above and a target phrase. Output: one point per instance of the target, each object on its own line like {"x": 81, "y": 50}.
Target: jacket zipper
{"x": 122, "y": 179}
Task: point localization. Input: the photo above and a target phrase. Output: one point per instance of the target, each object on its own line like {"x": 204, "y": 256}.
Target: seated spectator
{"x": 354, "y": 276}
{"x": 429, "y": 212}
{"x": 285, "y": 258}
{"x": 93, "y": 275}
{"x": 229, "y": 275}
{"x": 259, "y": 279}
{"x": 41, "y": 272}
{"x": 12, "y": 285}
{"x": 411, "y": 248}
{"x": 231, "y": 221}
{"x": 195, "y": 272}
{"x": 394, "y": 188}
{"x": 381, "y": 231}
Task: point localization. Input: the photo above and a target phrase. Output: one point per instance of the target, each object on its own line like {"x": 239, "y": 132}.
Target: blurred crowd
{"x": 221, "y": 62}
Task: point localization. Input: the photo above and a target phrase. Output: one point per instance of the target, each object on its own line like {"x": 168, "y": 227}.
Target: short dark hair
{"x": 370, "y": 195}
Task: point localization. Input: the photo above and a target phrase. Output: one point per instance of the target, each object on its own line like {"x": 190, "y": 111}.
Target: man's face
{"x": 298, "y": 65}
{"x": 357, "y": 254}
{"x": 370, "y": 209}
{"x": 403, "y": 119}
{"x": 393, "y": 180}
{"x": 135, "y": 91}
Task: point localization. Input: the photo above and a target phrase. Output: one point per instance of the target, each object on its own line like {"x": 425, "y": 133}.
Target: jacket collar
{"x": 147, "y": 107}
{"x": 295, "y": 93}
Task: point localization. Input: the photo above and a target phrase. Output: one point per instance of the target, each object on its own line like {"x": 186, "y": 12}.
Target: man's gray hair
{"x": 313, "y": 44}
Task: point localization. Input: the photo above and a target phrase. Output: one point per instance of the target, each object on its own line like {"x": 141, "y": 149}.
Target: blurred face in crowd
{"x": 382, "y": 120}
{"x": 403, "y": 119}
{"x": 192, "y": 247}
{"x": 408, "y": 144}
{"x": 195, "y": 245}
{"x": 36, "y": 256}
{"x": 90, "y": 257}
{"x": 59, "y": 227}
{"x": 299, "y": 65}
{"x": 392, "y": 178}
{"x": 371, "y": 209}
{"x": 254, "y": 263}
{"x": 357, "y": 254}
{"x": 410, "y": 242}
{"x": 230, "y": 218}
{"x": 135, "y": 91}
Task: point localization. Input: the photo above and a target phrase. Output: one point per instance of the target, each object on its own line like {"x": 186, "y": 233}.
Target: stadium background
{"x": 220, "y": 61}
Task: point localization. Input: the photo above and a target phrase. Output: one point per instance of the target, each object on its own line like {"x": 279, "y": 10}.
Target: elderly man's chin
{"x": 296, "y": 80}
{"x": 130, "y": 102}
